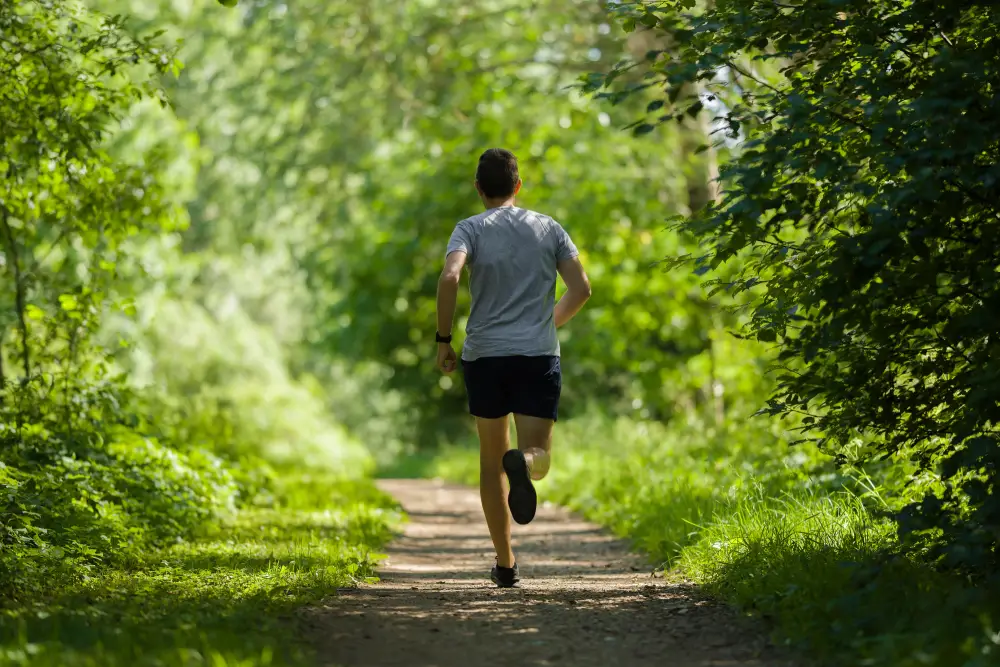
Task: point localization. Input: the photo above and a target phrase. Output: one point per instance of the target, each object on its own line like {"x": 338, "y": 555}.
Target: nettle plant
{"x": 862, "y": 214}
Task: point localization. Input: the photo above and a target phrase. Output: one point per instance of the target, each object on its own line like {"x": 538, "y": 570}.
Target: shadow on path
{"x": 585, "y": 600}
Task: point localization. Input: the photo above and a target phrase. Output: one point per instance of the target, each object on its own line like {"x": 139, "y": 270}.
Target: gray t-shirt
{"x": 512, "y": 254}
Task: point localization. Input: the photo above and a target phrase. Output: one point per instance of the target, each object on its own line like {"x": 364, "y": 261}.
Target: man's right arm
{"x": 577, "y": 289}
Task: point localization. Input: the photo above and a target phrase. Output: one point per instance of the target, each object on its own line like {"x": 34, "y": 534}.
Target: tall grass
{"x": 776, "y": 530}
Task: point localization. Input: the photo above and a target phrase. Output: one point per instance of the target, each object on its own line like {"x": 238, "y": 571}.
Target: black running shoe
{"x": 505, "y": 577}
{"x": 522, "y": 499}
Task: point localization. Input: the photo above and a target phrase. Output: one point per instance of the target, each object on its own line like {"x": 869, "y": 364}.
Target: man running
{"x": 511, "y": 354}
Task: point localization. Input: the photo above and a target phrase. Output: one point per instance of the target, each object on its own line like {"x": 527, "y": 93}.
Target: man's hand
{"x": 447, "y": 360}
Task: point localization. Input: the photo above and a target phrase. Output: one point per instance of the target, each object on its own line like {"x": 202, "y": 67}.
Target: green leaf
{"x": 68, "y": 302}
{"x": 767, "y": 335}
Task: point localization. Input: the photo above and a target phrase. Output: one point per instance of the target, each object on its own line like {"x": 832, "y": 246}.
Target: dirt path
{"x": 584, "y": 600}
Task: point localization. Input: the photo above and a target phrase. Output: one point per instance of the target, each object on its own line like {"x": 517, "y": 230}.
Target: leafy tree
{"x": 65, "y": 206}
{"x": 861, "y": 216}
{"x": 79, "y": 484}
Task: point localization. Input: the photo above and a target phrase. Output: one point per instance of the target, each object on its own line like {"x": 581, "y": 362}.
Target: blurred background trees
{"x": 334, "y": 148}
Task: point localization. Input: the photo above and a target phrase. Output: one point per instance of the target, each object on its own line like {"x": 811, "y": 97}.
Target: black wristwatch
{"x": 442, "y": 339}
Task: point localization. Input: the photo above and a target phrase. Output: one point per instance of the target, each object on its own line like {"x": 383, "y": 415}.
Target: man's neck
{"x": 498, "y": 203}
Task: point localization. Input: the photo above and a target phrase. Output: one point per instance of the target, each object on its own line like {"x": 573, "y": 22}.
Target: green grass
{"x": 222, "y": 600}
{"x": 827, "y": 575}
{"x": 775, "y": 530}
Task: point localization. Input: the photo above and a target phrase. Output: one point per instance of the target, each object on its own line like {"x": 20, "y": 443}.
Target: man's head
{"x": 496, "y": 176}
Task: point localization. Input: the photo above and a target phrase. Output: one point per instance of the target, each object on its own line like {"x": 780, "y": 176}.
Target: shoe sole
{"x": 522, "y": 499}
{"x": 500, "y": 584}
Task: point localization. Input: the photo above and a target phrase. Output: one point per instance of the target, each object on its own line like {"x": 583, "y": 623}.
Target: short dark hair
{"x": 497, "y": 173}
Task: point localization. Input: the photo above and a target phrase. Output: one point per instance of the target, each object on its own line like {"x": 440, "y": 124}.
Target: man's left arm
{"x": 447, "y": 298}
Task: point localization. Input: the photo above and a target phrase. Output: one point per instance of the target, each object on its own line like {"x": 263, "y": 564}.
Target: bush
{"x": 81, "y": 491}
{"x": 860, "y": 216}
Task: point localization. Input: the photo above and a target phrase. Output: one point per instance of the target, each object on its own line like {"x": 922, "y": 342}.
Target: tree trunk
{"x": 701, "y": 176}
{"x": 701, "y": 171}
{"x": 3, "y": 376}
{"x": 19, "y": 303}
{"x": 701, "y": 179}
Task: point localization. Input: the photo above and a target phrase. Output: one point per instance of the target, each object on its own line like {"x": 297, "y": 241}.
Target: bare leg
{"x": 494, "y": 440}
{"x": 534, "y": 439}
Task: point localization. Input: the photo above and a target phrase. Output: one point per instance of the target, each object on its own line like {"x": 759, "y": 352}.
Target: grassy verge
{"x": 774, "y": 530}
{"x": 222, "y": 600}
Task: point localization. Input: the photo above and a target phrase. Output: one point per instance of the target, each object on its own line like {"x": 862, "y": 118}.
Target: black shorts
{"x": 498, "y": 386}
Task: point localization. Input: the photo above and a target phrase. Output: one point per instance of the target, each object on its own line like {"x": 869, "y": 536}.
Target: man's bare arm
{"x": 577, "y": 290}
{"x": 447, "y": 294}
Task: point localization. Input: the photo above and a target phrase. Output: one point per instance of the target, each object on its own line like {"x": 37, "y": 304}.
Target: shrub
{"x": 860, "y": 217}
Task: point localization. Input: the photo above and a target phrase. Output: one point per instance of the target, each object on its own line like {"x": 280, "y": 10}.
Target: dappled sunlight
{"x": 584, "y": 599}
{"x": 216, "y": 597}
